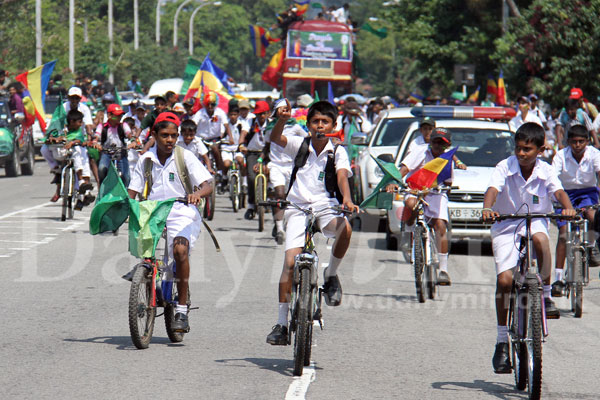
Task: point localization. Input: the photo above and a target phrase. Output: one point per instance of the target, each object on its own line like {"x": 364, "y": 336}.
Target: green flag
{"x": 118, "y": 97}
{"x": 59, "y": 120}
{"x": 112, "y": 205}
{"x": 379, "y": 199}
{"x": 147, "y": 220}
{"x": 191, "y": 68}
{"x": 316, "y": 5}
{"x": 381, "y": 32}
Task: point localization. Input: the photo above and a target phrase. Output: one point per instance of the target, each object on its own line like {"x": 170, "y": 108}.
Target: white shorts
{"x": 278, "y": 175}
{"x": 183, "y": 221}
{"x": 438, "y": 206}
{"x": 506, "y": 239}
{"x": 81, "y": 161}
{"x": 296, "y": 223}
{"x": 229, "y": 155}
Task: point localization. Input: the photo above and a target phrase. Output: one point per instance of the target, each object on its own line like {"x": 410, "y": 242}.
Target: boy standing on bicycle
{"x": 578, "y": 168}
{"x": 183, "y": 222}
{"x": 520, "y": 184}
{"x": 308, "y": 190}
{"x": 436, "y": 209}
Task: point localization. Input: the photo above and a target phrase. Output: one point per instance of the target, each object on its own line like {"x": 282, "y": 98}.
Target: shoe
{"x": 332, "y": 289}
{"x": 84, "y": 187}
{"x": 501, "y": 359}
{"x": 129, "y": 276}
{"x": 55, "y": 198}
{"x": 88, "y": 199}
{"x": 274, "y": 231}
{"x": 558, "y": 288}
{"x": 180, "y": 323}
{"x": 444, "y": 279}
{"x": 278, "y": 336}
{"x": 551, "y": 311}
{"x": 78, "y": 205}
{"x": 594, "y": 257}
{"x": 55, "y": 180}
{"x": 56, "y": 170}
{"x": 249, "y": 214}
{"x": 279, "y": 237}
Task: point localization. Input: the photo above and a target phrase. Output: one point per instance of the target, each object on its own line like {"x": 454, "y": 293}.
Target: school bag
{"x": 331, "y": 185}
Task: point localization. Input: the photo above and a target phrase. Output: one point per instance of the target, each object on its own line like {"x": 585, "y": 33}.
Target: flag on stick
{"x": 36, "y": 83}
{"x": 501, "y": 95}
{"x": 433, "y": 173}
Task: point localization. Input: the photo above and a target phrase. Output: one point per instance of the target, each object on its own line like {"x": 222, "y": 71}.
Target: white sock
{"x": 244, "y": 181}
{"x": 334, "y": 263}
{"x": 409, "y": 228}
{"x": 250, "y": 206}
{"x": 559, "y": 273}
{"x": 180, "y": 309}
{"x": 81, "y": 182}
{"x": 443, "y": 261}
{"x": 502, "y": 334}
{"x": 547, "y": 291}
{"x": 279, "y": 225}
{"x": 282, "y": 319}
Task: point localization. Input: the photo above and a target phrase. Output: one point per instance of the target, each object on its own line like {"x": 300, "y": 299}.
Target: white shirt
{"x": 419, "y": 141}
{"x": 277, "y": 155}
{"x": 209, "y": 127}
{"x": 165, "y": 179}
{"x": 339, "y": 15}
{"x": 418, "y": 158}
{"x": 84, "y": 109}
{"x": 258, "y": 139}
{"x": 308, "y": 188}
{"x": 112, "y": 135}
{"x": 236, "y": 130}
{"x": 518, "y": 120}
{"x": 574, "y": 175}
{"x": 361, "y": 123}
{"x": 195, "y": 146}
{"x": 514, "y": 191}
{"x": 248, "y": 118}
{"x": 540, "y": 114}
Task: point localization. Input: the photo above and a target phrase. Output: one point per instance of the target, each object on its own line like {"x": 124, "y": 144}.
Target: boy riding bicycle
{"x": 521, "y": 184}
{"x": 309, "y": 190}
{"x": 113, "y": 133}
{"x": 229, "y": 152}
{"x": 189, "y": 141}
{"x": 437, "y": 208}
{"x": 183, "y": 222}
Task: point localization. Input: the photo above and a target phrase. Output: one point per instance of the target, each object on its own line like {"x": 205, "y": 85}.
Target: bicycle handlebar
{"x": 284, "y": 203}
{"x": 438, "y": 189}
{"x": 530, "y": 216}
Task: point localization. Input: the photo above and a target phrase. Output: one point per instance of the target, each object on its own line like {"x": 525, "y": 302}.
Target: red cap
{"x": 576, "y": 93}
{"x": 261, "y": 107}
{"x": 115, "y": 109}
{"x": 167, "y": 116}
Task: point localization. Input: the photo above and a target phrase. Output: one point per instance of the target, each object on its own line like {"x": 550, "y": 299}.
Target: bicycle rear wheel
{"x": 233, "y": 192}
{"x": 141, "y": 312}
{"x": 419, "y": 262}
{"x": 534, "y": 342}
{"x": 260, "y": 197}
{"x": 518, "y": 350}
{"x": 577, "y": 285}
{"x": 301, "y": 340}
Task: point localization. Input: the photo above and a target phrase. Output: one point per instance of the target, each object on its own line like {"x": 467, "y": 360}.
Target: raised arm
{"x": 283, "y": 114}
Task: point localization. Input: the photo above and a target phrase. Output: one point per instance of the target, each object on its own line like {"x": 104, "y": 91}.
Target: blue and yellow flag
{"x": 433, "y": 173}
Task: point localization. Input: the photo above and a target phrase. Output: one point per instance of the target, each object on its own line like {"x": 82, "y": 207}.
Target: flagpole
{"x": 38, "y": 33}
{"x": 175, "y": 21}
{"x": 72, "y": 35}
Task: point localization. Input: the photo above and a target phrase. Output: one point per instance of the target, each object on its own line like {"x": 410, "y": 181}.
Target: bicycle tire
{"x": 141, "y": 313}
{"x": 209, "y": 207}
{"x": 64, "y": 194}
{"x": 518, "y": 350}
{"x": 233, "y": 192}
{"x": 301, "y": 338}
{"x": 311, "y": 313}
{"x": 577, "y": 285}
{"x": 419, "y": 262}
{"x": 534, "y": 346}
{"x": 73, "y": 194}
{"x": 430, "y": 281}
{"x": 259, "y": 197}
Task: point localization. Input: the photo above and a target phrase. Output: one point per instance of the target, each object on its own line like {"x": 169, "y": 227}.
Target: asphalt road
{"x": 65, "y": 334}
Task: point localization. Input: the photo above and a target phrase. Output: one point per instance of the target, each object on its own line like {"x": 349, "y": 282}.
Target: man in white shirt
{"x": 74, "y": 103}
{"x": 113, "y": 134}
{"x": 341, "y": 14}
{"x": 352, "y": 116}
{"x": 211, "y": 122}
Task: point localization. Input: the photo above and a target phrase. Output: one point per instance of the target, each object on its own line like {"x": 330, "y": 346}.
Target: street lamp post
{"x": 136, "y": 33}
{"x": 158, "y": 4}
{"x": 110, "y": 39}
{"x": 38, "y": 33}
{"x": 72, "y": 35}
{"x": 175, "y": 20}
{"x": 191, "y": 42}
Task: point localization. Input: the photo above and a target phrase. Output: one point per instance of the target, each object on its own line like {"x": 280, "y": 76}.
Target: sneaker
{"x": 180, "y": 323}
{"x": 444, "y": 279}
{"x": 332, "y": 289}
{"x": 551, "y": 311}
{"x": 249, "y": 214}
{"x": 501, "y": 359}
{"x": 55, "y": 198}
{"x": 84, "y": 187}
{"x": 88, "y": 199}
{"x": 278, "y": 336}
{"x": 78, "y": 205}
{"x": 279, "y": 237}
{"x": 274, "y": 231}
{"x": 558, "y": 288}
{"x": 56, "y": 170}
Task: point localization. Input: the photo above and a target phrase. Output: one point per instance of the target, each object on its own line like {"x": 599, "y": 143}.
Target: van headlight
{"x": 378, "y": 172}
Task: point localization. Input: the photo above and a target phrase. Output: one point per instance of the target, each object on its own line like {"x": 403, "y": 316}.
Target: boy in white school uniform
{"x": 183, "y": 222}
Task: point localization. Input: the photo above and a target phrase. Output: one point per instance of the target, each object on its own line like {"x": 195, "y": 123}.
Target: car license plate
{"x": 465, "y": 213}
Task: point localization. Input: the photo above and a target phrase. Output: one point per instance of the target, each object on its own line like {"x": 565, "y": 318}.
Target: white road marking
{"x": 299, "y": 386}
{"x": 25, "y": 210}
{"x": 25, "y": 241}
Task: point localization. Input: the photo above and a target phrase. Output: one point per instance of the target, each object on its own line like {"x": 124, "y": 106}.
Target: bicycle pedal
{"x": 194, "y": 308}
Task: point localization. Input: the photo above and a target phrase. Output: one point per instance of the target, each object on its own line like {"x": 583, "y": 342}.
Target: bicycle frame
{"x": 259, "y": 176}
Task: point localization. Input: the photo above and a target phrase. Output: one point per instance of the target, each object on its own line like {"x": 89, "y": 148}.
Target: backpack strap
{"x": 299, "y": 161}
{"x": 331, "y": 176}
{"x": 147, "y": 178}
{"x": 182, "y": 170}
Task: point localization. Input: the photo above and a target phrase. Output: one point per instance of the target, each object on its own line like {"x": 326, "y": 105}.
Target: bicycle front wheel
{"x": 233, "y": 192}
{"x": 577, "y": 285}
{"x": 534, "y": 339}
{"x": 260, "y": 197}
{"x": 518, "y": 310}
{"x": 67, "y": 203}
{"x": 302, "y": 326}
{"x": 141, "y": 312}
{"x": 419, "y": 261}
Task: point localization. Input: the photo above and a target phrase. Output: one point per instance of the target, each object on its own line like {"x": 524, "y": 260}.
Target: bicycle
{"x": 152, "y": 286}
{"x": 68, "y": 192}
{"x": 424, "y": 254}
{"x": 305, "y": 303}
{"x": 209, "y": 204}
{"x": 235, "y": 186}
{"x": 527, "y": 315}
{"x": 260, "y": 196}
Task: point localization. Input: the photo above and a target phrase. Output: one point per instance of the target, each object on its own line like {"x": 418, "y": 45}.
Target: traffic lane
{"x": 25, "y": 191}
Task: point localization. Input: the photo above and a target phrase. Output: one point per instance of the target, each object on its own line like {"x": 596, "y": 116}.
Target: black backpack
{"x": 331, "y": 185}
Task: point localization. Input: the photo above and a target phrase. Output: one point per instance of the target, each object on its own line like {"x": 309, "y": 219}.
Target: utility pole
{"x": 38, "y": 33}
{"x": 136, "y": 38}
{"x": 72, "y": 35}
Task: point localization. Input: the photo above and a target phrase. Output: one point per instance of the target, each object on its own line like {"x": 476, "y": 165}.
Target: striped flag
{"x": 492, "y": 89}
{"x": 36, "y": 83}
{"x": 415, "y": 98}
{"x": 433, "y": 173}
{"x": 213, "y": 79}
{"x": 475, "y": 95}
{"x": 501, "y": 94}
{"x": 260, "y": 39}
{"x": 301, "y": 6}
{"x": 271, "y": 74}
